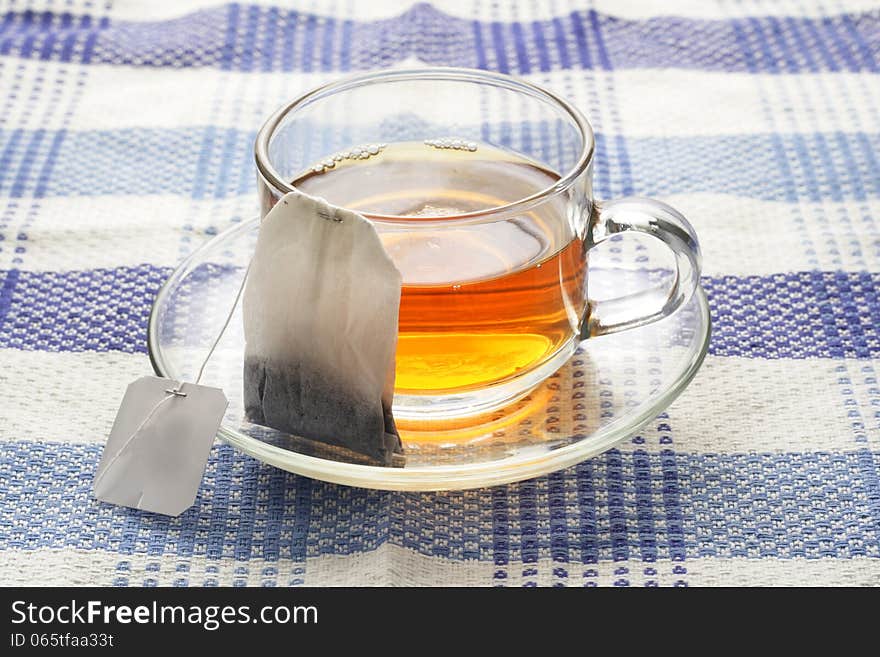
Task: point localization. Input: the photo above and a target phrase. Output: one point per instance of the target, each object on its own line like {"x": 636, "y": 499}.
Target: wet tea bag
{"x": 320, "y": 323}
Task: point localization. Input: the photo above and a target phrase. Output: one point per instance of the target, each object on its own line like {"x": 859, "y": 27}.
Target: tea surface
{"x": 480, "y": 303}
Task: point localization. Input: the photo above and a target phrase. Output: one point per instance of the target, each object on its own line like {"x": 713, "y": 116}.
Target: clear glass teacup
{"x": 480, "y": 186}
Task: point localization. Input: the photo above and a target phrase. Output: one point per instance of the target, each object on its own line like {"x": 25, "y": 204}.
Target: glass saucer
{"x": 605, "y": 393}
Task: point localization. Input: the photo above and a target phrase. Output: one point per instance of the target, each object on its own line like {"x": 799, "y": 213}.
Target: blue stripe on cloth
{"x": 674, "y": 515}
{"x": 92, "y": 310}
{"x": 557, "y": 502}
{"x": 787, "y": 505}
{"x": 810, "y": 314}
{"x": 10, "y": 282}
{"x": 800, "y": 315}
{"x": 202, "y": 38}
{"x": 134, "y": 161}
{"x": 645, "y": 513}
{"x": 528, "y": 523}
{"x": 620, "y": 524}
{"x": 588, "y": 544}
{"x": 500, "y": 548}
{"x": 225, "y": 59}
{"x": 500, "y": 50}
{"x": 142, "y": 161}
{"x": 541, "y": 46}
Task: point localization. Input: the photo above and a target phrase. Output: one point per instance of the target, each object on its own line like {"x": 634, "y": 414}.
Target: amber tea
{"x": 481, "y": 302}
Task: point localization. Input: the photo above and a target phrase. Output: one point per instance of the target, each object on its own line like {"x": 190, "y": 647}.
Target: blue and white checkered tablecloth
{"x": 125, "y": 141}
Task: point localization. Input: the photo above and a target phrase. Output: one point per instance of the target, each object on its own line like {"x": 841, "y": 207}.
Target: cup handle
{"x": 664, "y": 223}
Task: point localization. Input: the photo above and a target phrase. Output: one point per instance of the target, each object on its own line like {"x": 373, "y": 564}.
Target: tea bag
{"x": 320, "y": 325}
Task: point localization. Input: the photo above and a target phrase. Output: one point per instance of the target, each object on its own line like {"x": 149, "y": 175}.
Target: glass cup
{"x": 494, "y": 297}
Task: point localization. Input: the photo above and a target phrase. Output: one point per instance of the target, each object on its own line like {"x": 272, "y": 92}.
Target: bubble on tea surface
{"x": 452, "y": 143}
{"x": 363, "y": 152}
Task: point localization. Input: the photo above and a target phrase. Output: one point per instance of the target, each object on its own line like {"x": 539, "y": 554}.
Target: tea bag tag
{"x": 158, "y": 448}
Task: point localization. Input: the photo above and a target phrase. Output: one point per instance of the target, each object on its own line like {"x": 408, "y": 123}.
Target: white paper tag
{"x": 156, "y": 454}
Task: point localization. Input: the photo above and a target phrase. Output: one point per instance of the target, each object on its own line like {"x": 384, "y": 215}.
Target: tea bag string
{"x": 223, "y": 328}
{"x": 177, "y": 391}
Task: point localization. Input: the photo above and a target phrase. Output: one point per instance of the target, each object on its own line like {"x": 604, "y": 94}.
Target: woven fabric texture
{"x": 126, "y": 135}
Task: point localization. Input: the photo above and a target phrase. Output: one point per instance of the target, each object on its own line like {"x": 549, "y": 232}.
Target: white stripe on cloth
{"x": 94, "y": 232}
{"x": 507, "y": 11}
{"x": 645, "y": 103}
{"x": 64, "y": 397}
{"x": 392, "y": 565}
{"x": 739, "y": 405}
{"x": 716, "y": 414}
{"x": 740, "y": 236}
